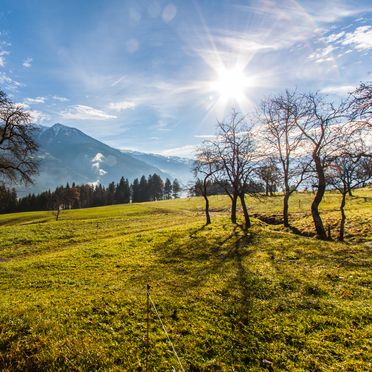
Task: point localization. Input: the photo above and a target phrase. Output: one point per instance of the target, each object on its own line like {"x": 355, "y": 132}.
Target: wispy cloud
{"x": 338, "y": 89}
{"x": 323, "y": 54}
{"x": 122, "y": 105}
{"x": 3, "y": 53}
{"x": 36, "y": 100}
{"x": 205, "y": 136}
{"x": 60, "y": 99}
{"x": 27, "y": 63}
{"x": 82, "y": 112}
{"x": 187, "y": 151}
{"x": 9, "y": 83}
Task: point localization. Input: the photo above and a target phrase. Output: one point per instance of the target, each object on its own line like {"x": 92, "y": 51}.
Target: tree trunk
{"x": 350, "y": 193}
{"x": 233, "y": 208}
{"x": 207, "y": 216}
{"x": 285, "y": 209}
{"x": 267, "y": 188}
{"x": 319, "y": 227}
{"x": 245, "y": 212}
{"x": 343, "y": 218}
{"x": 205, "y": 195}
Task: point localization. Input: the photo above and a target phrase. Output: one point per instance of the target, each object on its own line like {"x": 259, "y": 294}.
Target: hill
{"x": 74, "y": 291}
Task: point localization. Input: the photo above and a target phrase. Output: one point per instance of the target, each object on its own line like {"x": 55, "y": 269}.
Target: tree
{"x": 269, "y": 173}
{"x": 168, "y": 189}
{"x": 155, "y": 187}
{"x": 280, "y": 116}
{"x": 122, "y": 192}
{"x": 235, "y": 158}
{"x": 327, "y": 130}
{"x": 8, "y": 200}
{"x": 204, "y": 165}
{"x": 361, "y": 104}
{"x": 143, "y": 189}
{"x": 176, "y": 187}
{"x": 135, "y": 191}
{"x": 345, "y": 173}
{"x": 17, "y": 143}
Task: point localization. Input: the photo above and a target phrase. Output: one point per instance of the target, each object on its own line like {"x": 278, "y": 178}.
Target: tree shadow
{"x": 296, "y": 231}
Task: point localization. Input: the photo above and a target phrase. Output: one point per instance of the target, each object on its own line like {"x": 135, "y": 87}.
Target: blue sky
{"x": 155, "y": 76}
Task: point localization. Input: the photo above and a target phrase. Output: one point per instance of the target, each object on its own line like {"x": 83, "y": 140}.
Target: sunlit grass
{"x": 73, "y": 292}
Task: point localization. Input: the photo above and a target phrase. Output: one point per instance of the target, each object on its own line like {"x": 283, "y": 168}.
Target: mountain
{"x": 175, "y": 166}
{"x": 68, "y": 155}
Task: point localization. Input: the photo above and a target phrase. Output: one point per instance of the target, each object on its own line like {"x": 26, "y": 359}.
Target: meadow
{"x": 73, "y": 291}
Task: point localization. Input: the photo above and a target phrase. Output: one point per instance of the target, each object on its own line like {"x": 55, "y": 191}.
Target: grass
{"x": 73, "y": 292}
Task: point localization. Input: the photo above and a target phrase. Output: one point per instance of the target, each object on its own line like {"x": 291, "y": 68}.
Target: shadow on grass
{"x": 205, "y": 260}
{"x": 305, "y": 234}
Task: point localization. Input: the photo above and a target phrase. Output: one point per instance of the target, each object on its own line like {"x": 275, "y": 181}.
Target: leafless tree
{"x": 269, "y": 173}
{"x": 280, "y": 116}
{"x": 347, "y": 172}
{"x": 327, "y": 130}
{"x": 235, "y": 158}
{"x": 17, "y": 143}
{"x": 205, "y": 166}
{"x": 361, "y": 104}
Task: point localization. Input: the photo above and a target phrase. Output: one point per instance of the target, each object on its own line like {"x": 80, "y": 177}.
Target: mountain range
{"x": 67, "y": 154}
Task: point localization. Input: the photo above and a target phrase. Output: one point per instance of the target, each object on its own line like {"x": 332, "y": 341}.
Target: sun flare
{"x": 231, "y": 84}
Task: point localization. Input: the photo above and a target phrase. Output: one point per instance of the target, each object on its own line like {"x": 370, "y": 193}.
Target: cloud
{"x": 60, "y": 99}
{"x": 187, "y": 151}
{"x": 205, "y": 136}
{"x": 82, "y": 112}
{"x": 360, "y": 39}
{"x": 338, "y": 89}
{"x": 96, "y": 164}
{"x": 27, "y": 63}
{"x": 322, "y": 54}
{"x": 3, "y": 53}
{"x": 169, "y": 12}
{"x": 7, "y": 82}
{"x": 38, "y": 117}
{"x": 37, "y": 100}
{"x": 122, "y": 105}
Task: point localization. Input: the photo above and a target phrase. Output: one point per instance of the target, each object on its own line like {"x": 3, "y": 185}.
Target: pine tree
{"x": 135, "y": 191}
{"x": 168, "y": 189}
{"x": 176, "y": 189}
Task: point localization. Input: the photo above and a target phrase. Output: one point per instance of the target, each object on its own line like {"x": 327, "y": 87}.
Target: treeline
{"x": 143, "y": 189}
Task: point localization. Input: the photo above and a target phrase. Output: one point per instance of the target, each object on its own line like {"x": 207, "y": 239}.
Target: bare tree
{"x": 235, "y": 156}
{"x": 327, "y": 130}
{"x": 269, "y": 173}
{"x": 17, "y": 143}
{"x": 206, "y": 166}
{"x": 280, "y": 116}
{"x": 361, "y": 104}
{"x": 347, "y": 172}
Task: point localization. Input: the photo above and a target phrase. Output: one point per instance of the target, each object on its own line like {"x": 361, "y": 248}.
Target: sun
{"x": 231, "y": 84}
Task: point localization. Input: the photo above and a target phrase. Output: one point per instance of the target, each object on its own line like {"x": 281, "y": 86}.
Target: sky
{"x": 155, "y": 76}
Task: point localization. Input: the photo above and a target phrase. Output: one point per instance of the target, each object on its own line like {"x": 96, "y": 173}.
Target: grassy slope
{"x": 73, "y": 291}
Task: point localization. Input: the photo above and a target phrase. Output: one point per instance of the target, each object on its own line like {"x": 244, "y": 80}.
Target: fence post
{"x": 147, "y": 327}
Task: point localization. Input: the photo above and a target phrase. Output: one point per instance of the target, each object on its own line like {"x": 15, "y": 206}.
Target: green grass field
{"x": 73, "y": 291}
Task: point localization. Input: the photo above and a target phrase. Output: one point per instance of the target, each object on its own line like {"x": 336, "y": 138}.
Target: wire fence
{"x": 151, "y": 302}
